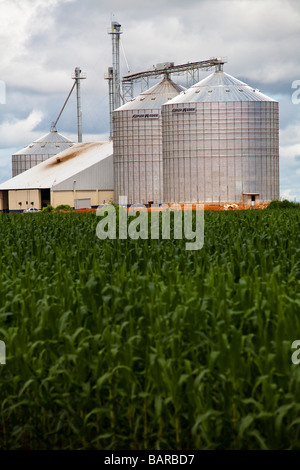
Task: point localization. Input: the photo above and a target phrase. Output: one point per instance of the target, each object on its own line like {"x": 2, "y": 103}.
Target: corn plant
{"x": 141, "y": 344}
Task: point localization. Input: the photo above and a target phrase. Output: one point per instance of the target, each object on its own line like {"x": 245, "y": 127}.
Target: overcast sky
{"x": 42, "y": 41}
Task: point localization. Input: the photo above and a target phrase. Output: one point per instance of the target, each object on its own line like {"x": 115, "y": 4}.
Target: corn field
{"x": 141, "y": 344}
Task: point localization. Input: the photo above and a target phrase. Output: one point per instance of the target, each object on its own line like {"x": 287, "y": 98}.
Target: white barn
{"x": 81, "y": 176}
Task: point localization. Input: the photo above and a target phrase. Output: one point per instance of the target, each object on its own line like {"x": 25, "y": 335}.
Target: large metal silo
{"x": 137, "y": 144}
{"x": 220, "y": 143}
{"x": 40, "y": 150}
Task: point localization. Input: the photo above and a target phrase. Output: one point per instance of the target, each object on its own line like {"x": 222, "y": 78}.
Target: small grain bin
{"x": 40, "y": 150}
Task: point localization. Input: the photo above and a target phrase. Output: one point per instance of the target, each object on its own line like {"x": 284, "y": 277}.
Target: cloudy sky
{"x": 42, "y": 41}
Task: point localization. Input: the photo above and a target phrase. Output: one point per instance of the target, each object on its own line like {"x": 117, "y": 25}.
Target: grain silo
{"x": 220, "y": 143}
{"x": 137, "y": 145}
{"x": 40, "y": 150}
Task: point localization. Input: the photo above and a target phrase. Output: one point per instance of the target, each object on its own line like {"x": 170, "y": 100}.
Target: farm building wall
{"x": 68, "y": 197}
{"x": 98, "y": 176}
{"x": 20, "y": 199}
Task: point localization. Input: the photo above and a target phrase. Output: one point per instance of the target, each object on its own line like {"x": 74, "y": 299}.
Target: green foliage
{"x": 285, "y": 204}
{"x": 64, "y": 207}
{"x": 48, "y": 208}
{"x": 123, "y": 344}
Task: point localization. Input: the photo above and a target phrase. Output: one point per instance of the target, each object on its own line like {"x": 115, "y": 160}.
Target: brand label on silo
{"x": 145, "y": 116}
{"x": 183, "y": 110}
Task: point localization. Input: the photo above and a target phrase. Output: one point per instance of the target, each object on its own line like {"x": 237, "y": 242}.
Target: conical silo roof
{"x": 49, "y": 144}
{"x": 220, "y": 86}
{"x": 155, "y": 97}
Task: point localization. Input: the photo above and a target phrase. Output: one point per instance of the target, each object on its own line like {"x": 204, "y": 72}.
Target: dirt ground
{"x": 207, "y": 207}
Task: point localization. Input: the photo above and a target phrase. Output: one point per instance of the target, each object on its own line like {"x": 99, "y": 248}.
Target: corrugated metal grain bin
{"x": 40, "y": 150}
{"x": 137, "y": 145}
{"x": 220, "y": 143}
